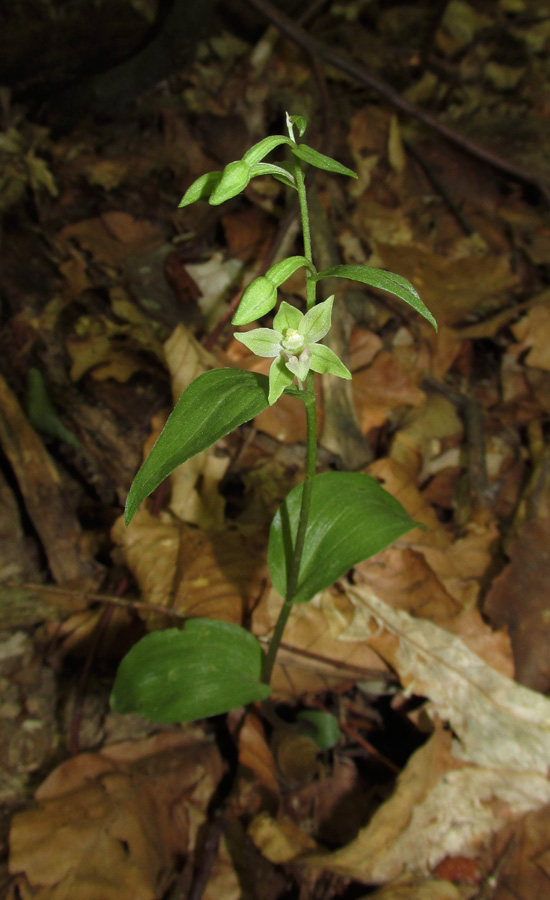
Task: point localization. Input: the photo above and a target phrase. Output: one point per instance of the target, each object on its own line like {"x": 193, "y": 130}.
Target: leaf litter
{"x": 121, "y": 328}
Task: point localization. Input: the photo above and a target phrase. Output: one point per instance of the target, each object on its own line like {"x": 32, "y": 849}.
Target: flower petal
{"x": 325, "y": 361}
{"x": 279, "y": 379}
{"x": 262, "y": 341}
{"x": 287, "y": 317}
{"x": 316, "y": 322}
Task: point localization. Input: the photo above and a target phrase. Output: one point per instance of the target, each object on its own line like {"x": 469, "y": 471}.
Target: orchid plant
{"x": 325, "y": 526}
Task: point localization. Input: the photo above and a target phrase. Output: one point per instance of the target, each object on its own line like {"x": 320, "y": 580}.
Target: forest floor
{"x": 433, "y": 655}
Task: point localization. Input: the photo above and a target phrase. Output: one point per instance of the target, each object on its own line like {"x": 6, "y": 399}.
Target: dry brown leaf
{"x": 43, "y": 493}
{"x": 380, "y": 388}
{"x": 313, "y": 658}
{"x": 111, "y": 824}
{"x": 459, "y": 564}
{"x": 533, "y": 333}
{"x": 450, "y": 288}
{"x": 255, "y": 754}
{"x": 455, "y": 791}
{"x": 425, "y": 435}
{"x": 111, "y": 237}
{"x": 213, "y": 575}
{"x": 413, "y": 888}
{"x": 497, "y": 722}
{"x": 280, "y": 840}
{"x": 518, "y": 600}
{"x": 523, "y": 870}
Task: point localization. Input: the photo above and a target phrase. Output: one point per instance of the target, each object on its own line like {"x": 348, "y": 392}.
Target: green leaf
{"x": 201, "y": 188}
{"x": 287, "y": 267}
{"x": 385, "y": 281}
{"x": 322, "y": 727}
{"x": 277, "y": 171}
{"x": 301, "y": 124}
{"x": 320, "y": 161}
{"x": 213, "y": 405}
{"x": 351, "y": 518}
{"x": 235, "y": 178}
{"x": 279, "y": 378}
{"x": 263, "y": 147}
{"x": 262, "y": 341}
{"x": 258, "y": 299}
{"x": 325, "y": 362}
{"x": 287, "y": 317}
{"x": 316, "y": 322}
{"x": 177, "y": 676}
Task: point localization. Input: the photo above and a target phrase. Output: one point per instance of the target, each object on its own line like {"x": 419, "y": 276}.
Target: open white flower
{"x": 293, "y": 341}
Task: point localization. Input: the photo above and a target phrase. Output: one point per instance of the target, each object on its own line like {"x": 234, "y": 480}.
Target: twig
{"x": 318, "y": 48}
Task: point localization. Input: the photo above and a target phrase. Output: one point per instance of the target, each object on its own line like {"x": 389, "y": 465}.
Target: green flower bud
{"x": 258, "y": 299}
{"x": 235, "y": 178}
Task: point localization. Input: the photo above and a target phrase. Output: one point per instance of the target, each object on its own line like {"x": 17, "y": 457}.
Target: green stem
{"x": 311, "y": 450}
{"x": 304, "y": 215}
{"x": 294, "y": 568}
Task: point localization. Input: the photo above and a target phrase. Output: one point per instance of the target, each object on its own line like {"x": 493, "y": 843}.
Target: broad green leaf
{"x": 320, "y": 161}
{"x": 385, "y": 281}
{"x": 287, "y": 317}
{"x": 262, "y": 341}
{"x": 287, "y": 267}
{"x": 325, "y": 362}
{"x": 279, "y": 378}
{"x": 213, "y": 405}
{"x": 201, "y": 188}
{"x": 258, "y": 299}
{"x": 322, "y": 727}
{"x": 301, "y": 124}
{"x": 177, "y": 676}
{"x": 316, "y": 322}
{"x": 235, "y": 178}
{"x": 263, "y": 147}
{"x": 351, "y": 518}
{"x": 277, "y": 171}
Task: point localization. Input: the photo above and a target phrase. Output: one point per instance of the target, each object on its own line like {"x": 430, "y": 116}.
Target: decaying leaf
{"x": 111, "y": 824}
{"x": 456, "y": 789}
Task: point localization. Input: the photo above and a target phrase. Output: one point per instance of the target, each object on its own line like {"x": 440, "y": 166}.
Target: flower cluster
{"x": 294, "y": 342}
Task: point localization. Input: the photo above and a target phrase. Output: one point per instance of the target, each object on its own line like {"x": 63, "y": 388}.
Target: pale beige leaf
{"x": 497, "y": 722}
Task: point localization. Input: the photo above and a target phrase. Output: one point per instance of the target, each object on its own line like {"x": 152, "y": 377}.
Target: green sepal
{"x": 326, "y": 362}
{"x": 258, "y": 299}
{"x": 316, "y": 322}
{"x": 301, "y": 124}
{"x": 263, "y": 147}
{"x": 287, "y": 317}
{"x": 213, "y": 405}
{"x": 351, "y": 519}
{"x": 201, "y": 188}
{"x": 178, "y": 676}
{"x": 235, "y": 178}
{"x": 385, "y": 281}
{"x": 320, "y": 161}
{"x": 279, "y": 378}
{"x": 276, "y": 171}
{"x": 287, "y": 267}
{"x": 262, "y": 341}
